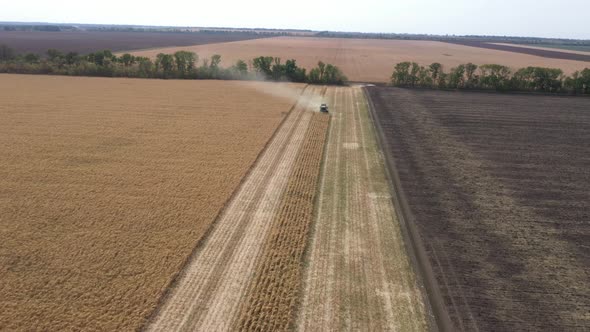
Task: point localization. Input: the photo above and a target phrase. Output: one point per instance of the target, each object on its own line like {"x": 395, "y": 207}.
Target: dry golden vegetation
{"x": 274, "y": 290}
{"x": 367, "y": 60}
{"x": 107, "y": 185}
{"x": 208, "y": 294}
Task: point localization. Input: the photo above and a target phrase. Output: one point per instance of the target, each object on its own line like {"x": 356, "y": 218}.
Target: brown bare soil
{"x": 274, "y": 290}
{"x": 366, "y": 60}
{"x": 89, "y": 41}
{"x": 359, "y": 276}
{"x": 107, "y": 185}
{"x": 498, "y": 186}
{"x": 207, "y": 296}
{"x": 541, "y": 52}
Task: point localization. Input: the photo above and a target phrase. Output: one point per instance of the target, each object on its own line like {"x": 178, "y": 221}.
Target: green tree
{"x": 572, "y": 83}
{"x": 102, "y": 58}
{"x": 165, "y": 64}
{"x": 215, "y": 61}
{"x": 109, "y": 56}
{"x": 333, "y": 75}
{"x": 424, "y": 78}
{"x": 547, "y": 79}
{"x": 31, "y": 58}
{"x": 240, "y": 69}
{"x": 278, "y": 70}
{"x": 213, "y": 71}
{"x": 322, "y": 70}
{"x": 494, "y": 76}
{"x": 456, "y": 78}
{"x": 471, "y": 79}
{"x": 127, "y": 59}
{"x": 401, "y": 74}
{"x": 6, "y": 53}
{"x": 185, "y": 62}
{"x": 539, "y": 79}
{"x": 72, "y": 58}
{"x": 57, "y": 58}
{"x": 584, "y": 80}
{"x": 435, "y": 70}
{"x": 262, "y": 64}
{"x": 294, "y": 73}
{"x": 443, "y": 78}
{"x": 314, "y": 76}
{"x": 205, "y": 63}
{"x": 54, "y": 55}
{"x": 145, "y": 67}
{"x": 414, "y": 73}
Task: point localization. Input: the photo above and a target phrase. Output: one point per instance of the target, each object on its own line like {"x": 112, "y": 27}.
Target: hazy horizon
{"x": 525, "y": 18}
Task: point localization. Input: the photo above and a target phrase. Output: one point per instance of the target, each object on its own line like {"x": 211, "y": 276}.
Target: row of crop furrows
{"x": 272, "y": 294}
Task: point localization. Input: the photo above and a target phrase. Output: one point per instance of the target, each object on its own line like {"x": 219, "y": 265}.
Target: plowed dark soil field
{"x": 553, "y": 54}
{"x": 498, "y": 186}
{"x": 90, "y": 41}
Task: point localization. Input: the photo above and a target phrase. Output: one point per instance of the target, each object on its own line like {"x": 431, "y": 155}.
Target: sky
{"x": 537, "y": 18}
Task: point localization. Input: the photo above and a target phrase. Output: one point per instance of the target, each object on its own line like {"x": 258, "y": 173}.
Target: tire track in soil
{"x": 319, "y": 268}
{"x": 383, "y": 192}
{"x": 359, "y": 276}
{"x": 209, "y": 290}
{"x": 515, "y": 272}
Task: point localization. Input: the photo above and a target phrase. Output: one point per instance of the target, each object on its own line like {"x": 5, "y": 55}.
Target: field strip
{"x": 359, "y": 276}
{"x": 207, "y": 294}
{"x": 273, "y": 292}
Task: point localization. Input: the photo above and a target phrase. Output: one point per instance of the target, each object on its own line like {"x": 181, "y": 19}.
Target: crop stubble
{"x": 273, "y": 292}
{"x": 359, "y": 276}
{"x": 106, "y": 186}
{"x": 208, "y": 294}
{"x": 498, "y": 185}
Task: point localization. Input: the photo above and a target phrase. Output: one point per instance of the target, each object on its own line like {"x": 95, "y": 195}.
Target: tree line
{"x": 179, "y": 65}
{"x": 491, "y": 77}
{"x": 41, "y": 27}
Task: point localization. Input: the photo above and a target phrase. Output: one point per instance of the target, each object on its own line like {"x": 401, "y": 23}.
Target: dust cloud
{"x": 313, "y": 97}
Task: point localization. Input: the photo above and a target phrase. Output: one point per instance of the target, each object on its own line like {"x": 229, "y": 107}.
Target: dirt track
{"x": 207, "y": 295}
{"x": 498, "y": 185}
{"x": 359, "y": 276}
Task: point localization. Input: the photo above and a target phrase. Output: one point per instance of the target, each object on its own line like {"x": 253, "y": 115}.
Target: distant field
{"x": 569, "y": 48}
{"x": 107, "y": 185}
{"x": 498, "y": 186}
{"x": 368, "y": 60}
{"x": 535, "y": 51}
{"x": 86, "y": 42}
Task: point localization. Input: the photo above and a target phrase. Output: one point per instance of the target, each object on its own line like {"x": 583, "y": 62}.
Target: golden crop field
{"x": 212, "y": 289}
{"x": 273, "y": 293}
{"x": 107, "y": 185}
{"x": 367, "y": 60}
